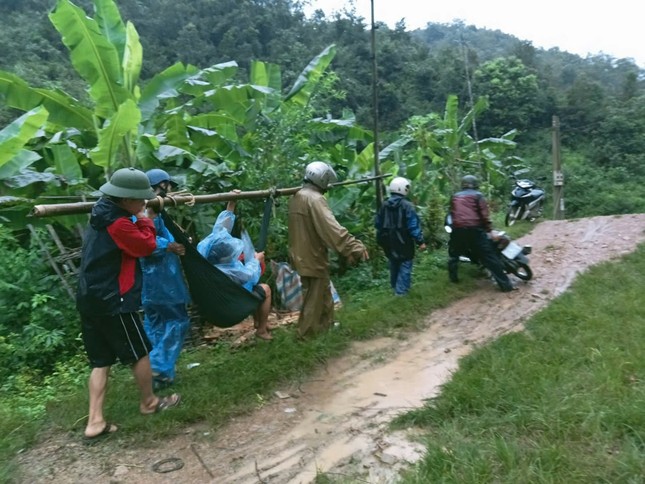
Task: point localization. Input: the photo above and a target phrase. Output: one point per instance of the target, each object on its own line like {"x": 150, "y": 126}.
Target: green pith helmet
{"x": 128, "y": 183}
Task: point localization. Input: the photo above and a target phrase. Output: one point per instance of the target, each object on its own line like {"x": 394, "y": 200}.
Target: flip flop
{"x": 265, "y": 337}
{"x": 107, "y": 430}
{"x": 164, "y": 403}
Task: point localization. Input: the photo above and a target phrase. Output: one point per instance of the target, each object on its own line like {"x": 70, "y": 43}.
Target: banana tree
{"x": 434, "y": 151}
{"x": 199, "y": 119}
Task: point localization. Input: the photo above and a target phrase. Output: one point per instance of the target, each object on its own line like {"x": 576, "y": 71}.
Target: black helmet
{"x": 469, "y": 181}
{"x": 128, "y": 183}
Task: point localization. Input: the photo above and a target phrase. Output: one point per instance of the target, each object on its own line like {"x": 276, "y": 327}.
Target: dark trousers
{"x": 475, "y": 244}
{"x": 400, "y": 275}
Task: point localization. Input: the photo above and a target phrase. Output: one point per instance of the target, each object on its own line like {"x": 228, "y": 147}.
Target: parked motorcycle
{"x": 527, "y": 199}
{"x": 513, "y": 256}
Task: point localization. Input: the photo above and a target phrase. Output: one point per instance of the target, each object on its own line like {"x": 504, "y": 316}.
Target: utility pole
{"x": 558, "y": 176}
{"x": 378, "y": 184}
{"x": 482, "y": 172}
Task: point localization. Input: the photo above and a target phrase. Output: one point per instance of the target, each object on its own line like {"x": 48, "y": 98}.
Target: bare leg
{"x": 143, "y": 376}
{"x": 261, "y": 316}
{"x": 97, "y": 387}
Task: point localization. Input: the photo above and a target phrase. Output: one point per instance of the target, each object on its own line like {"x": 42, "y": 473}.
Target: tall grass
{"x": 564, "y": 401}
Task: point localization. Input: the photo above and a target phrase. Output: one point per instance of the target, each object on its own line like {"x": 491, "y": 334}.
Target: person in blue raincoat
{"x": 239, "y": 261}
{"x": 165, "y": 296}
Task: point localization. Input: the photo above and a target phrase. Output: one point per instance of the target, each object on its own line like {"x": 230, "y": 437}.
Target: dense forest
{"x": 598, "y": 99}
{"x": 242, "y": 93}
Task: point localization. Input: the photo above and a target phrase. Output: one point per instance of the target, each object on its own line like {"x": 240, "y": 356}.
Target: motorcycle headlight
{"x": 527, "y": 249}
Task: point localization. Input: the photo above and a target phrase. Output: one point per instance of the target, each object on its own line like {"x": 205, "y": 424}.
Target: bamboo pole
{"x": 76, "y": 208}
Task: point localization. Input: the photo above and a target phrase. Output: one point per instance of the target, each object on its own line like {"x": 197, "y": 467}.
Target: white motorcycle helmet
{"x": 320, "y": 174}
{"x": 400, "y": 185}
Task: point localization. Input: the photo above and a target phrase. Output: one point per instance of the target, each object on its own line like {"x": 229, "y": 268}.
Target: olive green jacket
{"x": 313, "y": 230}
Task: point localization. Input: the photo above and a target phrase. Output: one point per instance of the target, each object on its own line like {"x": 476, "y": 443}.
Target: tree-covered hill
{"x": 598, "y": 99}
{"x": 416, "y": 70}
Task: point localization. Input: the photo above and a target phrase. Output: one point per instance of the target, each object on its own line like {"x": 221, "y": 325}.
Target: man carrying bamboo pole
{"x": 313, "y": 230}
{"x": 109, "y": 294}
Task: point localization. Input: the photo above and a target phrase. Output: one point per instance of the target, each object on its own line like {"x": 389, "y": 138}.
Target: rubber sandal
{"x": 265, "y": 337}
{"x": 165, "y": 403}
{"x": 107, "y": 430}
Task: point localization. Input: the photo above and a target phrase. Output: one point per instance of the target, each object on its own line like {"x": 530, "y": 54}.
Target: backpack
{"x": 393, "y": 235}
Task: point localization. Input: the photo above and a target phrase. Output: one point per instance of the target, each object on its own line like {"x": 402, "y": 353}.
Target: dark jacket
{"x": 398, "y": 227}
{"x": 110, "y": 276}
{"x": 469, "y": 209}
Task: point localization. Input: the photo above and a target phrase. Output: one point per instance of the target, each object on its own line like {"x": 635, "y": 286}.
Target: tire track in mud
{"x": 336, "y": 422}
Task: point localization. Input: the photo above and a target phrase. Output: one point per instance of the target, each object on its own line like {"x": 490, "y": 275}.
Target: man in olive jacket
{"x": 313, "y": 230}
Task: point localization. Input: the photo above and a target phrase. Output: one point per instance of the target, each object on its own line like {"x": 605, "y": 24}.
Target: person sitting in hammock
{"x": 239, "y": 261}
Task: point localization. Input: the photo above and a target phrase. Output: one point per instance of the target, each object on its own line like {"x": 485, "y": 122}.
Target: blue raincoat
{"x": 223, "y": 250}
{"x": 164, "y": 298}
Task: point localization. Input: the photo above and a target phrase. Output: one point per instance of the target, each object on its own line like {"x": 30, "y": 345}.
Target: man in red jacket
{"x": 109, "y": 293}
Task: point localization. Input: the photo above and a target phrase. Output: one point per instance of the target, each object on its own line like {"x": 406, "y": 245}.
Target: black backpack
{"x": 393, "y": 235}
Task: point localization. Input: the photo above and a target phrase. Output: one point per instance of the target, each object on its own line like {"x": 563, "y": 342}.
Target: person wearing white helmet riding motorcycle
{"x": 398, "y": 229}
{"x": 313, "y": 230}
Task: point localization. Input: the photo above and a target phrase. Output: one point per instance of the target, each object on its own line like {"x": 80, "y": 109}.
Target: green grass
{"x": 562, "y": 402}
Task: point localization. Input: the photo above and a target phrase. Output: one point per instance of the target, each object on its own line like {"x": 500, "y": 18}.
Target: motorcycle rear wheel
{"x": 512, "y": 216}
{"x": 521, "y": 270}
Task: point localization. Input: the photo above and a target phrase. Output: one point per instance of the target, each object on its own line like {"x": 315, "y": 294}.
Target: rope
{"x": 182, "y": 193}
{"x": 161, "y": 202}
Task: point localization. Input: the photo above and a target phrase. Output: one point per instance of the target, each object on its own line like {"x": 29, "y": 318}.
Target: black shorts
{"x": 116, "y": 337}
{"x": 259, "y": 290}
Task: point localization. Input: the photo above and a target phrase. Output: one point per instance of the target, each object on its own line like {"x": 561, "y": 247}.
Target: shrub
{"x": 38, "y": 324}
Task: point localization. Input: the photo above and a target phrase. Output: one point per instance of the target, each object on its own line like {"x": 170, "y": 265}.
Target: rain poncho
{"x": 164, "y": 299}
{"x": 224, "y": 251}
{"x": 163, "y": 277}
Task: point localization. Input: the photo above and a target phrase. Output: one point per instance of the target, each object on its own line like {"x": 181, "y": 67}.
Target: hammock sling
{"x": 218, "y": 299}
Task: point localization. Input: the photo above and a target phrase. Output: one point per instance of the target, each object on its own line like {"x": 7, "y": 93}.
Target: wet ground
{"x": 337, "y": 421}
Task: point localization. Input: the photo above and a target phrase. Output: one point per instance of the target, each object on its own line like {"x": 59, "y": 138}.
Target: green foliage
{"x": 594, "y": 190}
{"x": 434, "y": 152}
{"x": 559, "y": 402}
{"x": 39, "y": 325}
{"x": 512, "y": 92}
{"x": 24, "y": 405}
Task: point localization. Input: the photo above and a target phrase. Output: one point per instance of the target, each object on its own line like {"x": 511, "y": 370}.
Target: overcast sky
{"x": 616, "y": 27}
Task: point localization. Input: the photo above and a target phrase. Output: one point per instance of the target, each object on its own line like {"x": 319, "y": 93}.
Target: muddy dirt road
{"x": 336, "y": 422}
